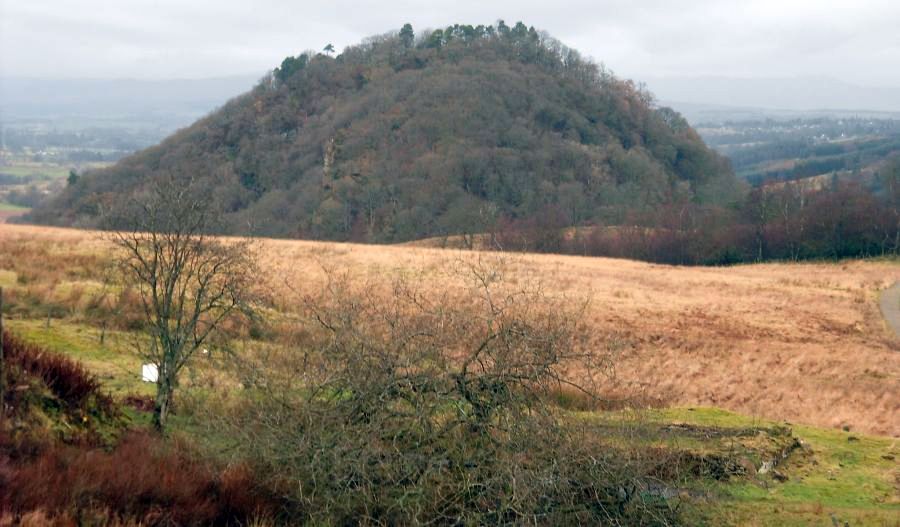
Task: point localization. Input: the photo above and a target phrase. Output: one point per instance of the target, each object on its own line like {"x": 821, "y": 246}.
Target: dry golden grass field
{"x": 803, "y": 343}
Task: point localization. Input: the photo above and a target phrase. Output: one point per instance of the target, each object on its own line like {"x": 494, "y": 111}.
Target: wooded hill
{"x": 409, "y": 136}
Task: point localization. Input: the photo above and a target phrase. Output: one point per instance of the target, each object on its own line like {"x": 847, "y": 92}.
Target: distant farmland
{"x": 35, "y": 170}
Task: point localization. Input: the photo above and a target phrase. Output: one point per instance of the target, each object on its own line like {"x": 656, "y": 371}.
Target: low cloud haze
{"x": 854, "y": 42}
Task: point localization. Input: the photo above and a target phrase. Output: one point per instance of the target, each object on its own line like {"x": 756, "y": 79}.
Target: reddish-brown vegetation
{"x": 142, "y": 479}
{"x": 67, "y": 379}
{"x": 56, "y": 468}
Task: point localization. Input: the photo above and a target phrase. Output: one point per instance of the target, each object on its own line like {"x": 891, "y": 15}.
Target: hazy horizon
{"x": 173, "y": 103}
{"x": 801, "y": 55}
{"x": 854, "y": 42}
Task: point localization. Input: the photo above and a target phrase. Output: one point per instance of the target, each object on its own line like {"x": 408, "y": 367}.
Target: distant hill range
{"x": 704, "y": 99}
{"x": 713, "y": 114}
{"x": 404, "y": 137}
{"x": 170, "y": 104}
{"x": 64, "y": 104}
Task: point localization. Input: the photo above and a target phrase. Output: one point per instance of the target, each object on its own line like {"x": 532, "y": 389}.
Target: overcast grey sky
{"x": 856, "y": 41}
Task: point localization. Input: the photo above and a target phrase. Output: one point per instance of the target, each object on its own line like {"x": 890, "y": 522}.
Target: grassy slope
{"x": 787, "y": 331}
{"x": 844, "y": 474}
{"x": 802, "y": 342}
{"x": 853, "y": 477}
{"x": 113, "y": 362}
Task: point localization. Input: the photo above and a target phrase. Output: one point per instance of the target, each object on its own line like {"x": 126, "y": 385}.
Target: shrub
{"x": 66, "y": 378}
{"x": 406, "y": 406}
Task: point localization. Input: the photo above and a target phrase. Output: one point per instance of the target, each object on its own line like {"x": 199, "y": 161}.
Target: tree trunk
{"x": 759, "y": 245}
{"x": 163, "y": 403}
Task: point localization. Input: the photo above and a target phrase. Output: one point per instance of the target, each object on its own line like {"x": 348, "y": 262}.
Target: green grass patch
{"x": 45, "y": 171}
{"x": 851, "y": 477}
{"x": 114, "y": 362}
{"x": 9, "y": 207}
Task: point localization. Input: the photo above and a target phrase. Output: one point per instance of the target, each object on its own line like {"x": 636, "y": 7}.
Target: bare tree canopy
{"x": 188, "y": 281}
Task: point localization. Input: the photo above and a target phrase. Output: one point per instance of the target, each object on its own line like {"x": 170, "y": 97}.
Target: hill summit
{"x": 407, "y": 136}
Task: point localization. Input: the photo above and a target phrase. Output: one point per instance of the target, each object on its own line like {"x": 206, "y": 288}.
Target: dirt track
{"x": 890, "y": 307}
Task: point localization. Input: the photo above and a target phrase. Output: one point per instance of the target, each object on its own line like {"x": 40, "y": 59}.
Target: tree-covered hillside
{"x": 407, "y": 136}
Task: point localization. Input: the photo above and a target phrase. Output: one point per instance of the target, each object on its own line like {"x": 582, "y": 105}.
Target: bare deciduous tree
{"x": 188, "y": 281}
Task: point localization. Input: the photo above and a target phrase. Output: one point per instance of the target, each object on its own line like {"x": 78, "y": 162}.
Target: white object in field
{"x": 149, "y": 373}
{"x": 205, "y": 351}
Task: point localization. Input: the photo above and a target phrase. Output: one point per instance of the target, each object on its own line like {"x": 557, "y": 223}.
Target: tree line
{"x": 816, "y": 218}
